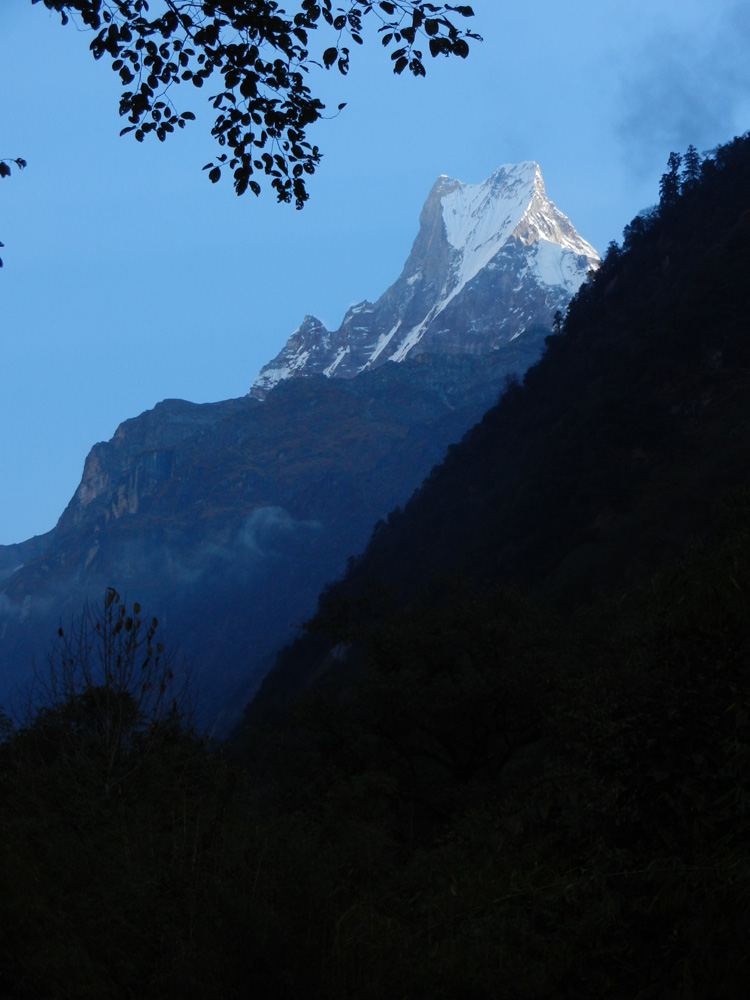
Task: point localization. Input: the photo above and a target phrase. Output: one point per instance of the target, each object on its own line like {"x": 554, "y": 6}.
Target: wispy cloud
{"x": 687, "y": 85}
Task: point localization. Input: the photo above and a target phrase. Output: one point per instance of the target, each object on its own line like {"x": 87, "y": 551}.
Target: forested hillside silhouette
{"x": 614, "y": 451}
{"x": 510, "y": 759}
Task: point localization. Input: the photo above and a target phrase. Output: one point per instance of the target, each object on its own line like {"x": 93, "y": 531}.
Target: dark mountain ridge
{"x": 614, "y": 450}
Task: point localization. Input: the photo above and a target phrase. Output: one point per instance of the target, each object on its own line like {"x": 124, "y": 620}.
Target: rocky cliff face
{"x": 490, "y": 262}
{"x": 126, "y": 474}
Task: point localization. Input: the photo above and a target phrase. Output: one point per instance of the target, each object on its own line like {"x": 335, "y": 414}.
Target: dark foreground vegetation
{"x": 490, "y": 790}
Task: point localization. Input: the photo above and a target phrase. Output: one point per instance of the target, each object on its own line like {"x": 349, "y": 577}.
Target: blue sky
{"x": 129, "y": 278}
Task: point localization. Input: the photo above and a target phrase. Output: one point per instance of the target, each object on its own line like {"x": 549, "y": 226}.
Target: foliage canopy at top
{"x": 5, "y": 163}
{"x": 258, "y": 54}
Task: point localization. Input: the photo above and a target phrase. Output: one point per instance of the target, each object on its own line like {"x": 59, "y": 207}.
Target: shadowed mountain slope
{"x": 615, "y": 449}
{"x": 226, "y": 519}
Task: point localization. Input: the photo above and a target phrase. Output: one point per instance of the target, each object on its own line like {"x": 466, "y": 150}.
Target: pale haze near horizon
{"x": 129, "y": 278}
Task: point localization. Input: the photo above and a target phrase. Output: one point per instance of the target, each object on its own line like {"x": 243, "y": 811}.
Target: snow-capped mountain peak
{"x": 490, "y": 260}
